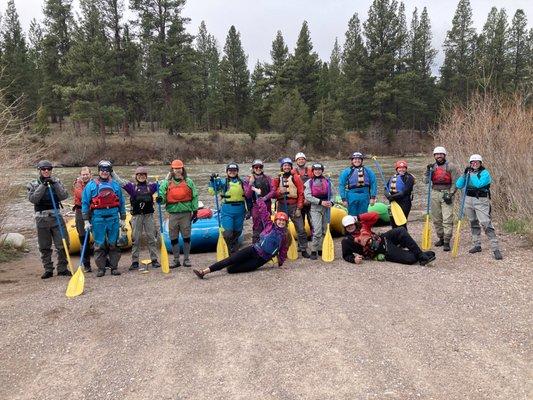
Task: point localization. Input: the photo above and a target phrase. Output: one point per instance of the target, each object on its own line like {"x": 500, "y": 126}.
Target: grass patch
{"x": 9, "y": 253}
{"x": 519, "y": 226}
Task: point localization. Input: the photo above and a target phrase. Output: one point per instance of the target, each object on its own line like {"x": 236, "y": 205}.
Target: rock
{"x": 13, "y": 239}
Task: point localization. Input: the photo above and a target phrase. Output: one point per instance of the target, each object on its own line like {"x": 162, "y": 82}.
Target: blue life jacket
{"x": 270, "y": 243}
{"x": 396, "y": 184}
{"x": 358, "y": 178}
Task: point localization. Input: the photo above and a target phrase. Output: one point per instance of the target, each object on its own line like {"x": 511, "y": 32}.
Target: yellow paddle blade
{"x": 455, "y": 248}
{"x": 165, "y": 267}
{"x": 76, "y": 284}
{"x": 397, "y": 214}
{"x": 292, "y": 252}
{"x": 222, "y": 246}
{"x": 328, "y": 250}
{"x": 65, "y": 247}
{"x": 426, "y": 235}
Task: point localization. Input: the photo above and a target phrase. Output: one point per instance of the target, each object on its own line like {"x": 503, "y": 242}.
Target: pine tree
{"x": 291, "y": 117}
{"x": 326, "y": 123}
{"x": 518, "y": 51}
{"x": 235, "y": 78}
{"x": 335, "y": 78}
{"x": 324, "y": 85}
{"x": 276, "y": 71}
{"x": 259, "y": 86}
{"x": 457, "y": 75}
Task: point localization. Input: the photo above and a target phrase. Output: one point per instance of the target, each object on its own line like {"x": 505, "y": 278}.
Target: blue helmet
{"x": 285, "y": 160}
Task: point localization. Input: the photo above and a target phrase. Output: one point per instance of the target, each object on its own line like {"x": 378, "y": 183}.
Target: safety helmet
{"x": 44, "y": 164}
{"x": 400, "y": 163}
{"x": 281, "y": 215}
{"x": 232, "y": 166}
{"x": 476, "y": 157}
{"x": 200, "y": 204}
{"x": 439, "y": 149}
{"x": 357, "y": 154}
{"x": 317, "y": 166}
{"x": 257, "y": 162}
{"x": 348, "y": 220}
{"x": 285, "y": 160}
{"x": 105, "y": 165}
{"x": 177, "y": 164}
{"x": 141, "y": 170}
{"x": 300, "y": 155}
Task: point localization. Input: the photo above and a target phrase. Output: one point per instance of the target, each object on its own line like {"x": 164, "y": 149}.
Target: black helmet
{"x": 44, "y": 164}
{"x": 317, "y": 166}
{"x": 232, "y": 166}
{"x": 105, "y": 165}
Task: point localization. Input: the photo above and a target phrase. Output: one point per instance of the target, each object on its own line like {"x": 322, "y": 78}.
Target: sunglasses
{"x": 46, "y": 168}
{"x": 258, "y": 166}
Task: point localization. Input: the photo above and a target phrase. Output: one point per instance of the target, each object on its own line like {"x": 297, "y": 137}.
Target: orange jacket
{"x": 280, "y": 195}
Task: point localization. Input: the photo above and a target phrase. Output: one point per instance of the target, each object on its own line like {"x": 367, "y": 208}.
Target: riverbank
{"x": 459, "y": 329}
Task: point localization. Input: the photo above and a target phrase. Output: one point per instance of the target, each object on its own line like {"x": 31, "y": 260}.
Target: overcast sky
{"x": 259, "y": 20}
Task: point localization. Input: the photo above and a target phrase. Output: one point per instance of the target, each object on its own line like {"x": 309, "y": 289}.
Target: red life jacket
{"x": 106, "y": 196}
{"x": 441, "y": 175}
{"x": 79, "y": 185}
{"x": 178, "y": 192}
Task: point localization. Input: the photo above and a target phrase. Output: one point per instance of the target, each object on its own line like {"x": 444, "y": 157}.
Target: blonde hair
{"x": 85, "y": 169}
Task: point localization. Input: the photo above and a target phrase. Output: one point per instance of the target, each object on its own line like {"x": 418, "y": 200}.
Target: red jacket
{"x": 79, "y": 185}
{"x": 280, "y": 195}
{"x": 364, "y": 236}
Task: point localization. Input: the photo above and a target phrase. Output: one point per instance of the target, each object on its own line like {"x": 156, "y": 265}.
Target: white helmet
{"x": 300, "y": 155}
{"x": 200, "y": 204}
{"x": 348, "y": 220}
{"x": 475, "y": 157}
{"x": 439, "y": 149}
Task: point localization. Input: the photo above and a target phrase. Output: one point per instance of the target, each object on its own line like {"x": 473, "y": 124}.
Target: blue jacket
{"x": 476, "y": 180}
{"x": 345, "y": 174}
{"x": 91, "y": 190}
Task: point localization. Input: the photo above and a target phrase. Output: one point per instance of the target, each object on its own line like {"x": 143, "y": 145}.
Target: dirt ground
{"x": 460, "y": 329}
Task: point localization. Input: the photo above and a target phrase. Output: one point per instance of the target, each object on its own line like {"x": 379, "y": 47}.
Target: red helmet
{"x": 176, "y": 164}
{"x": 281, "y": 215}
{"x": 400, "y": 163}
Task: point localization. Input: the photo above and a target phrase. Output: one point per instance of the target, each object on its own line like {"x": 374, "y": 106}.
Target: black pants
{"x": 400, "y": 246}
{"x": 405, "y": 205}
{"x": 244, "y": 260}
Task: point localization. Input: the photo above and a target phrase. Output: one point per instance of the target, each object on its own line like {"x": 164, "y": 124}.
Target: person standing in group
{"x": 318, "y": 193}
{"x": 233, "y": 209}
{"x": 443, "y": 175}
{"x": 357, "y": 186}
{"x": 477, "y": 204}
{"x": 48, "y": 231}
{"x": 79, "y": 185}
{"x": 104, "y": 210}
{"x": 180, "y": 196}
{"x": 400, "y": 189}
{"x": 142, "y": 214}
{"x": 305, "y": 172}
{"x": 290, "y": 199}
{"x": 259, "y": 180}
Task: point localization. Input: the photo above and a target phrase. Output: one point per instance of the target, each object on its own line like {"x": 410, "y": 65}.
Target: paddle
{"x": 328, "y": 250}
{"x": 292, "y": 252}
{"x": 396, "y": 210}
{"x": 61, "y": 231}
{"x": 426, "y": 233}
{"x": 76, "y": 284}
{"x": 222, "y": 246}
{"x": 165, "y": 266}
{"x": 455, "y": 248}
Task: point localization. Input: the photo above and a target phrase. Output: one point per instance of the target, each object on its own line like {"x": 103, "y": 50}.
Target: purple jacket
{"x": 249, "y": 193}
{"x": 129, "y": 187}
{"x": 268, "y": 227}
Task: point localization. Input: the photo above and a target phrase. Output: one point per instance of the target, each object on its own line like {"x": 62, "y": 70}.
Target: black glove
{"x": 388, "y": 196}
{"x": 248, "y": 215}
{"x": 429, "y": 167}
{"x": 194, "y": 216}
{"x": 47, "y": 181}
{"x": 159, "y": 199}
{"x": 213, "y": 177}
{"x": 468, "y": 169}
{"x": 447, "y": 198}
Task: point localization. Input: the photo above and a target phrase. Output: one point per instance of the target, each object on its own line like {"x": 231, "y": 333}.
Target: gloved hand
{"x": 213, "y": 177}
{"x": 447, "y": 198}
{"x": 247, "y": 215}
{"x": 194, "y": 216}
{"x": 47, "y": 181}
{"x": 297, "y": 213}
{"x": 388, "y": 196}
{"x": 122, "y": 223}
{"x": 159, "y": 199}
{"x": 468, "y": 169}
{"x": 87, "y": 225}
{"x": 429, "y": 167}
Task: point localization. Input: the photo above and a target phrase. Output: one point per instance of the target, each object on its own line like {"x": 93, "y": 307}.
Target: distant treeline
{"x": 104, "y": 71}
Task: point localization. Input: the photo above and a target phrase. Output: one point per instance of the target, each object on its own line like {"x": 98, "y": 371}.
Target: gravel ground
{"x": 460, "y": 329}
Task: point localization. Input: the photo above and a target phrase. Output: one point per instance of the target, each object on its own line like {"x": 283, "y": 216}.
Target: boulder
{"x": 13, "y": 239}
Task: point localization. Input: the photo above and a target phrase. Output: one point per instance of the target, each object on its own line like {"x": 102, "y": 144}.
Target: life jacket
{"x": 288, "y": 183}
{"x": 178, "y": 192}
{"x": 261, "y": 182}
{"x": 233, "y": 191}
{"x": 105, "y": 197}
{"x": 270, "y": 243}
{"x": 478, "y": 192}
{"x": 142, "y": 202}
{"x": 46, "y": 201}
{"x": 358, "y": 178}
{"x": 320, "y": 189}
{"x": 369, "y": 241}
{"x": 305, "y": 173}
{"x": 79, "y": 185}
{"x": 396, "y": 184}
{"x": 441, "y": 175}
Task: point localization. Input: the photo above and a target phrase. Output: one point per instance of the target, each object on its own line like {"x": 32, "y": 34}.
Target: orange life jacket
{"x": 178, "y": 192}
{"x": 441, "y": 175}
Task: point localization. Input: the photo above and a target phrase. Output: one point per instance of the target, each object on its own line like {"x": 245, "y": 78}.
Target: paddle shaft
{"x": 429, "y": 191}
{"x": 61, "y": 231}
{"x": 85, "y": 241}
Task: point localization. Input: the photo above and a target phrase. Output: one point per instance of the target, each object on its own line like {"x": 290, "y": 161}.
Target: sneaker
{"x": 155, "y": 264}
{"x": 439, "y": 242}
{"x": 134, "y": 265}
{"x": 175, "y": 265}
{"x": 100, "y": 273}
{"x": 47, "y": 274}
{"x": 305, "y": 254}
{"x": 64, "y": 273}
{"x": 187, "y": 263}
{"x": 426, "y": 257}
{"x": 313, "y": 255}
{"x": 87, "y": 269}
{"x": 115, "y": 272}
{"x": 446, "y": 246}
{"x": 475, "y": 249}
{"x": 498, "y": 255}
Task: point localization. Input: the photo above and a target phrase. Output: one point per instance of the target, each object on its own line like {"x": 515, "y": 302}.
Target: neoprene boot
{"x": 439, "y": 242}
{"x": 475, "y": 249}
{"x": 313, "y": 255}
{"x": 305, "y": 254}
{"x": 498, "y": 255}
{"x": 134, "y": 265}
{"x": 446, "y": 246}
{"x": 100, "y": 273}
{"x": 47, "y": 274}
